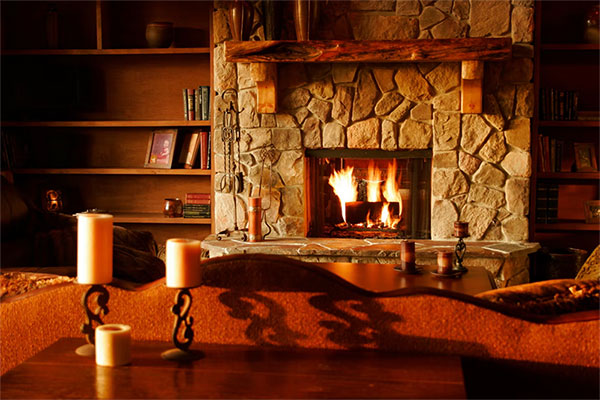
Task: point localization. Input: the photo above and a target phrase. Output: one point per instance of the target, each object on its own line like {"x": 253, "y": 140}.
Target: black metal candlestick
{"x": 87, "y": 328}
{"x": 181, "y": 308}
{"x": 461, "y": 230}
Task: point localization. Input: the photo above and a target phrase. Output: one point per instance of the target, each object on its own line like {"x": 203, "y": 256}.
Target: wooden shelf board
{"x": 111, "y": 171}
{"x": 103, "y": 124}
{"x": 571, "y": 46}
{"x": 157, "y": 218}
{"x": 571, "y": 124}
{"x": 369, "y": 50}
{"x": 105, "y": 52}
{"x": 569, "y": 175}
{"x": 567, "y": 226}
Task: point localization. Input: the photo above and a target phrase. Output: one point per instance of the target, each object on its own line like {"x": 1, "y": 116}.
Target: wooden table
{"x": 235, "y": 372}
{"x": 381, "y": 278}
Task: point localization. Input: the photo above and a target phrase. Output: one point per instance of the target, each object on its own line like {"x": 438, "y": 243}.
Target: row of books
{"x": 546, "y": 203}
{"x": 195, "y": 143}
{"x": 558, "y": 105}
{"x": 555, "y": 155}
{"x": 197, "y": 205}
{"x": 196, "y": 104}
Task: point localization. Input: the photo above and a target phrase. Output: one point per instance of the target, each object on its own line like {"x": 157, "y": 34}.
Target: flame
{"x": 373, "y": 183}
{"x": 344, "y": 186}
{"x": 390, "y": 191}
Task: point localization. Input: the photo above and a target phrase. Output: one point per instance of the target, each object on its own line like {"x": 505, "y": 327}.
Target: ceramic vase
{"x": 241, "y": 16}
{"x": 159, "y": 34}
{"x": 306, "y": 15}
{"x": 271, "y": 19}
{"x": 591, "y": 33}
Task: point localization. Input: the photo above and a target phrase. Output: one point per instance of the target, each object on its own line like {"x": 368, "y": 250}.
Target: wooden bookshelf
{"x": 104, "y": 124}
{"x": 570, "y": 47}
{"x": 570, "y": 124}
{"x": 111, "y": 171}
{"x": 568, "y": 226}
{"x": 576, "y": 176}
{"x": 104, "y": 52}
{"x": 156, "y": 218}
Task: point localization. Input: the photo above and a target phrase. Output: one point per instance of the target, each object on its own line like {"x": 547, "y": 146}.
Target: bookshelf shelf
{"x": 111, "y": 171}
{"x": 568, "y": 226}
{"x": 570, "y": 124}
{"x": 105, "y": 52}
{"x": 156, "y": 218}
{"x": 580, "y": 176}
{"x": 570, "y": 47}
{"x": 104, "y": 124}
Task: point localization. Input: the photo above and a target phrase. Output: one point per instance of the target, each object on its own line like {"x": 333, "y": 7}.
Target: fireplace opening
{"x": 368, "y": 193}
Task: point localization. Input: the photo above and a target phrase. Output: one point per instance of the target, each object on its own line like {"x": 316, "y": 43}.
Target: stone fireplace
{"x": 480, "y": 163}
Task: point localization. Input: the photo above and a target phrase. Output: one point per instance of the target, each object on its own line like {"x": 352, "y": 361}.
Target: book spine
{"x": 541, "y": 203}
{"x": 190, "y": 105}
{"x": 542, "y": 104}
{"x": 192, "y": 151}
{"x": 552, "y": 210}
{"x": 205, "y": 102}
{"x": 185, "y": 105}
{"x": 197, "y": 196}
{"x": 198, "y": 201}
{"x": 209, "y": 156}
{"x": 197, "y": 102}
{"x": 558, "y": 156}
{"x": 204, "y": 150}
{"x": 552, "y": 155}
{"x": 541, "y": 155}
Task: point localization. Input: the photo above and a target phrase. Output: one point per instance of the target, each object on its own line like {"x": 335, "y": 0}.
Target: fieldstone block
{"x": 522, "y": 24}
{"x": 443, "y": 216}
{"x": 224, "y": 211}
{"x": 323, "y": 88}
{"x": 444, "y": 5}
{"x": 292, "y": 204}
{"x": 401, "y": 111}
{"x": 468, "y": 163}
{"x": 415, "y": 135}
{"x": 244, "y": 76}
{"x": 449, "y": 29}
{"x": 518, "y": 133}
{"x": 517, "y": 70}
{"x": 486, "y": 196}
{"x": 286, "y": 121}
{"x": 517, "y": 163}
{"x": 494, "y": 149}
{"x": 489, "y": 175}
{"x": 474, "y": 132}
{"x": 479, "y": 219}
{"x": 364, "y": 134}
{"x": 461, "y": 9}
{"x": 366, "y": 96}
{"x": 333, "y": 135}
{"x": 343, "y": 73}
{"x": 446, "y": 127}
{"x": 225, "y": 72}
{"x": 384, "y": 78}
{"x": 387, "y": 103}
{"x": 492, "y": 112}
{"x": 445, "y": 76}
{"x": 445, "y": 159}
{"x": 522, "y": 50}
{"x": 447, "y": 101}
{"x": 320, "y": 108}
{"x": 247, "y": 103}
{"x": 408, "y": 7}
{"x": 291, "y": 167}
{"x": 517, "y": 196}
{"x": 421, "y": 112}
{"x": 312, "y": 133}
{"x": 525, "y": 100}
{"x": 448, "y": 182}
{"x": 286, "y": 138}
{"x": 301, "y": 114}
{"x": 268, "y": 121}
{"x": 388, "y": 136}
{"x": 383, "y": 27}
{"x": 506, "y": 100}
{"x": 516, "y": 228}
{"x": 342, "y": 104}
{"x": 220, "y": 26}
{"x": 411, "y": 83}
{"x": 489, "y": 18}
{"x": 373, "y": 5}
{"x": 296, "y": 98}
{"x": 429, "y": 17}
{"x": 289, "y": 226}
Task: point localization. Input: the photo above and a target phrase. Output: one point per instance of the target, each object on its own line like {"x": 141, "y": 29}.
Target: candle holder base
{"x": 182, "y": 355}
{"x": 86, "y": 350}
{"x": 408, "y": 269}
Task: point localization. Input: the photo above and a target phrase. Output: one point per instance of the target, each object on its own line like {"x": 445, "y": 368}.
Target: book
{"x": 197, "y": 196}
{"x": 552, "y": 209}
{"x": 190, "y": 105}
{"x": 205, "y": 102}
{"x": 197, "y": 201}
{"x": 185, "y": 105}
{"x": 541, "y": 155}
{"x": 546, "y": 143}
{"x": 204, "y": 150}
{"x": 192, "y": 150}
{"x": 552, "y": 155}
{"x": 197, "y": 108}
{"x": 209, "y": 151}
{"x": 541, "y": 203}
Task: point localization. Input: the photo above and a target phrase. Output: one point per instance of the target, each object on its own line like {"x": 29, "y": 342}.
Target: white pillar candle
{"x": 94, "y": 248}
{"x": 183, "y": 263}
{"x": 113, "y": 345}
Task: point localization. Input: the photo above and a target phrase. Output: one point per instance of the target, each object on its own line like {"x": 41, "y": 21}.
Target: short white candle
{"x": 113, "y": 345}
{"x": 94, "y": 248}
{"x": 183, "y": 263}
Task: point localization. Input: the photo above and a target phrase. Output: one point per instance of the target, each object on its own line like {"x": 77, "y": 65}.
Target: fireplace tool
{"x": 256, "y": 213}
{"x": 232, "y": 180}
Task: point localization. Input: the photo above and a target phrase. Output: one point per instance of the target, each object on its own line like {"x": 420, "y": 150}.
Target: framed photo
{"x": 161, "y": 148}
{"x": 592, "y": 212}
{"x": 585, "y": 157}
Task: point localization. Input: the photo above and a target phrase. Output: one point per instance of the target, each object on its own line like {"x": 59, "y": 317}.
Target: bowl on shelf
{"x": 159, "y": 34}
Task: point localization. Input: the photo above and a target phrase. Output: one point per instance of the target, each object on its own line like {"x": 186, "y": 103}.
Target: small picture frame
{"x": 161, "y": 148}
{"x": 585, "y": 157}
{"x": 592, "y": 211}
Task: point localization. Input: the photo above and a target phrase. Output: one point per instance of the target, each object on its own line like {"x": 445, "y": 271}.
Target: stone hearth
{"x": 507, "y": 262}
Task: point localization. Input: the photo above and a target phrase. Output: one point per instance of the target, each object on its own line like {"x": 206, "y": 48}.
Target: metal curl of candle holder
{"x": 459, "y": 253}
{"x": 87, "y": 328}
{"x": 181, "y": 309}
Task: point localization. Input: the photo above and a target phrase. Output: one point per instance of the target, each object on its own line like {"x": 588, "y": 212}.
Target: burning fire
{"x": 345, "y": 187}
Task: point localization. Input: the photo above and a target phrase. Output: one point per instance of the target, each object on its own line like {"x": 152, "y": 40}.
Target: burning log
{"x": 358, "y": 211}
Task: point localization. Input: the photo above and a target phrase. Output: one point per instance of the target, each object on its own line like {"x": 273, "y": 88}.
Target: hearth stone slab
{"x": 508, "y": 262}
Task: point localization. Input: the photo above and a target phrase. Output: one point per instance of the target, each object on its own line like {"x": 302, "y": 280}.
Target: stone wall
{"x": 481, "y": 162}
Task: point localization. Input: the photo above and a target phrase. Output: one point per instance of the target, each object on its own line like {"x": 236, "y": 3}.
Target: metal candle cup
{"x": 444, "y": 260}
{"x": 407, "y": 255}
{"x": 254, "y": 219}
{"x": 461, "y": 229}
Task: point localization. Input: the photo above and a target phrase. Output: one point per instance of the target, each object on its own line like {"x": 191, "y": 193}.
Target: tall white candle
{"x": 183, "y": 263}
{"x": 113, "y": 345}
{"x": 94, "y": 248}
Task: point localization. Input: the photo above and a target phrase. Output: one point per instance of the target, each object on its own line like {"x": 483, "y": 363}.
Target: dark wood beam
{"x": 419, "y": 50}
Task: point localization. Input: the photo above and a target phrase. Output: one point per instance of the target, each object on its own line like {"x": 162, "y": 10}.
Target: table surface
{"x": 381, "y": 278}
{"x": 228, "y": 371}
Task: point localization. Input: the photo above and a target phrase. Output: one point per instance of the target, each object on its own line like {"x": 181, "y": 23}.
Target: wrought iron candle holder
{"x": 461, "y": 231}
{"x": 182, "y": 325}
{"x": 100, "y": 294}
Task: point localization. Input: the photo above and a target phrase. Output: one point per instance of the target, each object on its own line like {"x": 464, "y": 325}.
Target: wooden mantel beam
{"x": 418, "y": 50}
